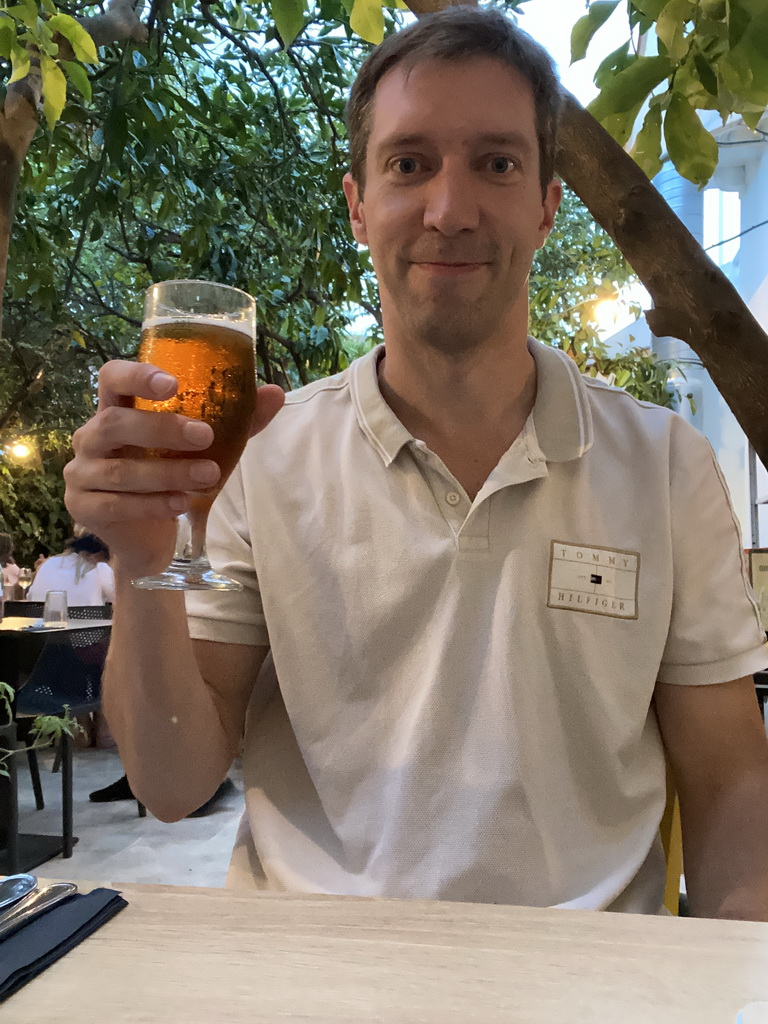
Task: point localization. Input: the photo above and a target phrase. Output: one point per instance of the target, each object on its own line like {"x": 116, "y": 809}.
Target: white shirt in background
{"x": 85, "y": 582}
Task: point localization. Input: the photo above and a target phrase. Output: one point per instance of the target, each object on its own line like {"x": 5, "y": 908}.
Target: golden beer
{"x": 214, "y": 365}
{"x": 203, "y": 334}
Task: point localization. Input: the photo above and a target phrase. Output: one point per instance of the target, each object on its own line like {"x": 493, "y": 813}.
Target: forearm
{"x": 161, "y": 712}
{"x": 726, "y": 855}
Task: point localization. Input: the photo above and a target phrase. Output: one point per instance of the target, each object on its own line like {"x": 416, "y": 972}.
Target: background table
{"x": 211, "y": 956}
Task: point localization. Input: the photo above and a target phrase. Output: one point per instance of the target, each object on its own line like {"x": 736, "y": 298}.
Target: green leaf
{"x": 78, "y": 76}
{"x": 670, "y": 27}
{"x": 367, "y": 19}
{"x": 585, "y": 28}
{"x": 650, "y": 8}
{"x": 83, "y": 46}
{"x": 7, "y": 36}
{"x": 620, "y": 126}
{"x": 753, "y": 118}
{"x": 618, "y": 60}
{"x": 691, "y": 148}
{"x": 54, "y": 90}
{"x": 631, "y": 86}
{"x": 289, "y": 18}
{"x": 646, "y": 151}
{"x": 19, "y": 63}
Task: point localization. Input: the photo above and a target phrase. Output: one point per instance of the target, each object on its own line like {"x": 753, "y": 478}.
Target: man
{"x": 493, "y": 592}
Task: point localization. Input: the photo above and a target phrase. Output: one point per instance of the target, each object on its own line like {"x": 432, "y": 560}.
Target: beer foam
{"x": 202, "y": 321}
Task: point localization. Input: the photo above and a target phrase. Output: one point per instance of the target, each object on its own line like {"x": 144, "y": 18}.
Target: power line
{"x": 746, "y": 231}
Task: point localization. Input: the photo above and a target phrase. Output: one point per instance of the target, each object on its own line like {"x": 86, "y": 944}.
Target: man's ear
{"x": 356, "y": 212}
{"x": 549, "y": 208}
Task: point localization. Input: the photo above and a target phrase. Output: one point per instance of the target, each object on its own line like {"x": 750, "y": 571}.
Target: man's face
{"x": 452, "y": 210}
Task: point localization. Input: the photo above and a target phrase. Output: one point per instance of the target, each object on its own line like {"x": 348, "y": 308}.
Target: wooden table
{"x": 212, "y": 956}
{"x": 20, "y": 648}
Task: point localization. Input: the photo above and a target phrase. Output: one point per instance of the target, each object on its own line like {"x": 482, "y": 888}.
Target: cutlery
{"x": 14, "y": 887}
{"x": 34, "y": 903}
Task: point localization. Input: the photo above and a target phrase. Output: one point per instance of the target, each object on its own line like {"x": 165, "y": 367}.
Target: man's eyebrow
{"x": 399, "y": 140}
{"x": 515, "y": 139}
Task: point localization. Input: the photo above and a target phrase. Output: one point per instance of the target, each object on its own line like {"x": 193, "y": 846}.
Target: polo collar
{"x": 560, "y": 424}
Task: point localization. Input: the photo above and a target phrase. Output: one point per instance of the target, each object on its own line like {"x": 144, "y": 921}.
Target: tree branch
{"x": 693, "y": 299}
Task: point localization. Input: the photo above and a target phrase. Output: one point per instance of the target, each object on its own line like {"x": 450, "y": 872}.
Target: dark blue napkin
{"x": 27, "y": 952}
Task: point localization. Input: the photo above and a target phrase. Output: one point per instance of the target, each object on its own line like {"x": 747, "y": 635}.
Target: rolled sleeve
{"x": 223, "y": 615}
{"x": 715, "y": 631}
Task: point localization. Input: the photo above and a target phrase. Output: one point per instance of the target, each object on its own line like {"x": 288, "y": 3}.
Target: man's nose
{"x": 451, "y": 203}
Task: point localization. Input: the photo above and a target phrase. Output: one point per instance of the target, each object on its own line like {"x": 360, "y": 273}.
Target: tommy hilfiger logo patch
{"x": 602, "y": 581}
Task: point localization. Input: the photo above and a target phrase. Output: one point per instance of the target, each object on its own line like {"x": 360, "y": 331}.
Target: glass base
{"x": 184, "y": 574}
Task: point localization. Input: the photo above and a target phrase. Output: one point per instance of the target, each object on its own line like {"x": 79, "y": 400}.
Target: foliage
{"x": 712, "y": 55}
{"x": 577, "y": 268}
{"x": 46, "y": 729}
{"x": 216, "y": 150}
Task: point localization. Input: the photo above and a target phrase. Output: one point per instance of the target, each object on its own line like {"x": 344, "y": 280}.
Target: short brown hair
{"x": 459, "y": 33}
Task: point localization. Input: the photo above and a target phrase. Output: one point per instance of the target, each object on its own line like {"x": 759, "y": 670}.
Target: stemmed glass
{"x": 204, "y": 334}
{"x": 25, "y": 581}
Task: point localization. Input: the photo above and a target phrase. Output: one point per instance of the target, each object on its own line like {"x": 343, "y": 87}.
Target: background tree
{"x": 208, "y": 141}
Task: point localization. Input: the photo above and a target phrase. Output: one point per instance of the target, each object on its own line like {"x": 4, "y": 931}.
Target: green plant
{"x": 46, "y": 729}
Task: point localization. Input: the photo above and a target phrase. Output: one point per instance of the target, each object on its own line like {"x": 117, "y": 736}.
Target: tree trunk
{"x": 693, "y": 299}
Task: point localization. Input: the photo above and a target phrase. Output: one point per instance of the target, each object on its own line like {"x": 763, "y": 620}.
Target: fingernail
{"x": 197, "y": 433}
{"x": 178, "y": 502}
{"x": 204, "y": 472}
{"x": 161, "y": 383}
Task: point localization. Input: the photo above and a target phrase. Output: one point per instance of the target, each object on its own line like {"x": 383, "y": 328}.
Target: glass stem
{"x": 190, "y": 537}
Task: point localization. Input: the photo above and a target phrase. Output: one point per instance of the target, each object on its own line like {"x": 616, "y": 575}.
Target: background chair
{"x": 34, "y": 610}
{"x": 26, "y": 609}
{"x": 67, "y": 674}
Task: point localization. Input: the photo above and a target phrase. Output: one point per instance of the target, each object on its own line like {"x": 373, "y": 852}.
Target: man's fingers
{"x": 120, "y": 381}
{"x": 114, "y": 427}
{"x": 141, "y": 476}
{"x": 102, "y": 508}
{"x": 269, "y": 401}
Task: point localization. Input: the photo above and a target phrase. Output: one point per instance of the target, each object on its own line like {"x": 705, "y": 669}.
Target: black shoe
{"x": 120, "y": 790}
{"x": 224, "y": 789}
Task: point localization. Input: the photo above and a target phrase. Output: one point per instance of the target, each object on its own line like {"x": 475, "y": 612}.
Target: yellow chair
{"x": 672, "y": 841}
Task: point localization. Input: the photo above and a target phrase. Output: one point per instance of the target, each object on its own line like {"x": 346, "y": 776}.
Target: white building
{"x": 733, "y": 204}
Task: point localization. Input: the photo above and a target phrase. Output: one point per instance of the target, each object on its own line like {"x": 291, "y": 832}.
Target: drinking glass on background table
{"x": 25, "y": 581}
{"x": 55, "y": 610}
{"x": 204, "y": 335}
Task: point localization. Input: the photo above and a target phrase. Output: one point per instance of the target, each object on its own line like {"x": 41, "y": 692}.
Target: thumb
{"x": 269, "y": 402}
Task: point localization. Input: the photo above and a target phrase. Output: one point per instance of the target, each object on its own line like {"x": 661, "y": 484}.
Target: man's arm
{"x": 718, "y": 750}
{"x": 176, "y": 707}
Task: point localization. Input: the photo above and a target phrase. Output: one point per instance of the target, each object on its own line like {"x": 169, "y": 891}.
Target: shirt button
{"x": 453, "y": 498}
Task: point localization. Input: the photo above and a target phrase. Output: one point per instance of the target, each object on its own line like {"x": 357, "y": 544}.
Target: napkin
{"x": 27, "y": 952}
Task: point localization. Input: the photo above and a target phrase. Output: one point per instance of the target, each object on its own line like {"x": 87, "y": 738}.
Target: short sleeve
{"x": 229, "y": 616}
{"x": 715, "y": 631}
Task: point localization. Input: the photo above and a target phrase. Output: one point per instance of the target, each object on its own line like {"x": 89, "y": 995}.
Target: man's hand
{"x": 131, "y": 503}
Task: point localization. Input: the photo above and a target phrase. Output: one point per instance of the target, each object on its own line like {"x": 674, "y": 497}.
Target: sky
{"x": 550, "y": 22}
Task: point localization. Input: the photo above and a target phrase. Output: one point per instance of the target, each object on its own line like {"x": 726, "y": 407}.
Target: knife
{"x": 32, "y": 904}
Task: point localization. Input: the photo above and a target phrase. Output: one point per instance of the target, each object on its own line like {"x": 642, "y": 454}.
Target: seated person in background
{"x": 81, "y": 570}
{"x": 7, "y": 562}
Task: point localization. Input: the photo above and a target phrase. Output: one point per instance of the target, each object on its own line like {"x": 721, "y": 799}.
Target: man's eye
{"x": 501, "y": 164}
{"x": 406, "y": 165}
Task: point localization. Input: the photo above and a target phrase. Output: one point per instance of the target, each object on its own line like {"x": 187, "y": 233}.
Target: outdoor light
{"x": 606, "y": 313}
{"x": 22, "y": 451}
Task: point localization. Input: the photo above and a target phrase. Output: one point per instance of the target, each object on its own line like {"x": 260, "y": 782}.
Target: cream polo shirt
{"x": 464, "y": 703}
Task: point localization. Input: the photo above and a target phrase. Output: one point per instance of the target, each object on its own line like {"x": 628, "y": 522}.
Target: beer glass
{"x": 203, "y": 334}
